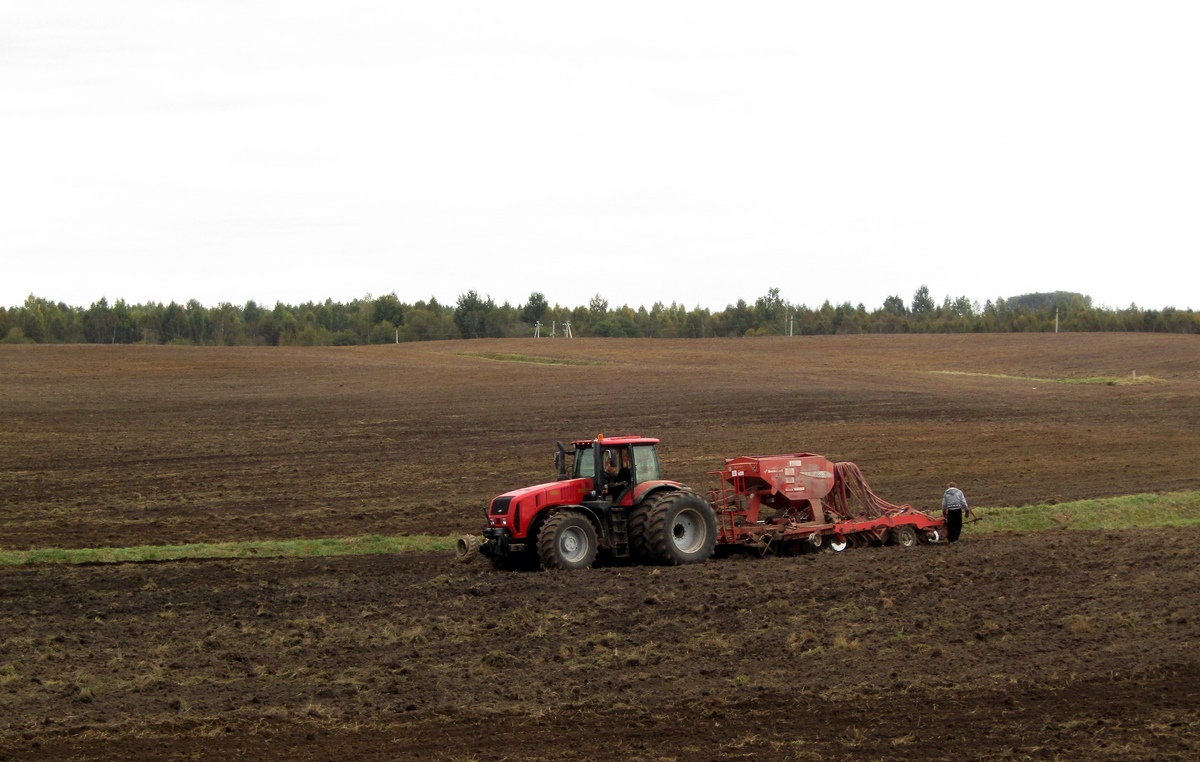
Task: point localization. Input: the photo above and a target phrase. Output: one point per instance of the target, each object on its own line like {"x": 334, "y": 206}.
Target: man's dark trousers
{"x": 953, "y": 525}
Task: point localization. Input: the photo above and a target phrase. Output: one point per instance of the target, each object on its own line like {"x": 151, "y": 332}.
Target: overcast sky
{"x": 648, "y": 151}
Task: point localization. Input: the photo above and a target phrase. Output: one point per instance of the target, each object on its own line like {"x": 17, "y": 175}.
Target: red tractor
{"x": 610, "y": 497}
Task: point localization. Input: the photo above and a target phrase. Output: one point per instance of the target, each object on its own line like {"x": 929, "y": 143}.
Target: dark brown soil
{"x": 130, "y": 445}
{"x": 1054, "y": 646}
{"x": 1058, "y": 646}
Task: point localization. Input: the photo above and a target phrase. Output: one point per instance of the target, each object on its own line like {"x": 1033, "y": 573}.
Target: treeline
{"x": 386, "y": 319}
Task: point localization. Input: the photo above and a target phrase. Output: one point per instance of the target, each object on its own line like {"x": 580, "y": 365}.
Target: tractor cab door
{"x": 589, "y": 464}
{"x": 616, "y": 469}
{"x": 617, "y": 472}
{"x": 645, "y": 464}
{"x": 608, "y": 466}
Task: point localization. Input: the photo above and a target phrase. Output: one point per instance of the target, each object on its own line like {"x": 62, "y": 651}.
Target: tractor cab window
{"x": 616, "y": 465}
{"x": 585, "y": 464}
{"x": 645, "y": 463}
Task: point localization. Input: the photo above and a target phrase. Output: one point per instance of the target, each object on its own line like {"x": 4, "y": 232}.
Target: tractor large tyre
{"x": 467, "y": 548}
{"x": 681, "y": 529}
{"x": 639, "y": 517}
{"x": 637, "y": 531}
{"x": 567, "y": 541}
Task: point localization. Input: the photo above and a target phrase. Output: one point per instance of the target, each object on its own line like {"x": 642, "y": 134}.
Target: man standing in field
{"x": 954, "y": 505}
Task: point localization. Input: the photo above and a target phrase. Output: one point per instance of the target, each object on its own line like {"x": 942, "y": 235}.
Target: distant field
{"x": 150, "y": 445}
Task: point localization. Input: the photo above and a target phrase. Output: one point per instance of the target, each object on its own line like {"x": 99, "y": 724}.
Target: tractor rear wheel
{"x": 639, "y": 515}
{"x": 904, "y": 536}
{"x": 567, "y": 541}
{"x": 637, "y": 530}
{"x": 681, "y": 528}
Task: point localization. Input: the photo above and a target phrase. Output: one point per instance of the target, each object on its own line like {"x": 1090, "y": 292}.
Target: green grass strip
{"x": 501, "y": 357}
{"x": 1127, "y": 512}
{"x": 1105, "y": 380}
{"x": 329, "y": 546}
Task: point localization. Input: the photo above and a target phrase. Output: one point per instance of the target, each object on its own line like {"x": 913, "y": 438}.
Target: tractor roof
{"x": 615, "y": 441}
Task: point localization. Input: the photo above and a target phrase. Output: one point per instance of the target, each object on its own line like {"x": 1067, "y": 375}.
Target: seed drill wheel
{"x": 837, "y": 543}
{"x": 567, "y": 541}
{"x": 681, "y": 528}
{"x": 904, "y": 536}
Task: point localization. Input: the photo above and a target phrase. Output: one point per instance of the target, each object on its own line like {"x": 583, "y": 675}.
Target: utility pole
{"x": 1056, "y": 319}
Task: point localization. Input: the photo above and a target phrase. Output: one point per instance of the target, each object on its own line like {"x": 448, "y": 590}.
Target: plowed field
{"x": 1076, "y": 645}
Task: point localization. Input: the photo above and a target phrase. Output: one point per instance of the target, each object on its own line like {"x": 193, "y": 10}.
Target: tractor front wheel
{"x": 567, "y": 541}
{"x": 681, "y": 528}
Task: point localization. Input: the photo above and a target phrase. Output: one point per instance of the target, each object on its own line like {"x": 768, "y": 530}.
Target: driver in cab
{"x": 618, "y": 478}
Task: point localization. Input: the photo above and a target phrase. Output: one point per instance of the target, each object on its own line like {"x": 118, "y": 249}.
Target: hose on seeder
{"x": 852, "y": 497}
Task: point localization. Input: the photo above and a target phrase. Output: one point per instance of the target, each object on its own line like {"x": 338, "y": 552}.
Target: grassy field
{"x": 1128, "y": 512}
{"x": 329, "y": 546}
{"x": 1105, "y": 380}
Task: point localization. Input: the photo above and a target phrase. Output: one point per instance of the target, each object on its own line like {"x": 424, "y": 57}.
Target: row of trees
{"x": 385, "y": 319}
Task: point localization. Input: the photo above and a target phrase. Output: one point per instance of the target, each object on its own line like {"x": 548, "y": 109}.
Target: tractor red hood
{"x": 527, "y": 501}
{"x": 566, "y": 492}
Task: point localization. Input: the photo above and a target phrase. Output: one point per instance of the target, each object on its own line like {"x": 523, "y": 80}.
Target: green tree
{"x": 289, "y": 329}
{"x": 197, "y": 318}
{"x": 770, "y": 312}
{"x": 422, "y": 324}
{"x": 15, "y": 336}
{"x": 535, "y": 308}
{"x": 388, "y": 308}
{"x": 619, "y": 323}
{"x": 894, "y": 305}
{"x": 922, "y": 303}
{"x": 739, "y": 319}
{"x": 471, "y": 314}
{"x": 598, "y": 307}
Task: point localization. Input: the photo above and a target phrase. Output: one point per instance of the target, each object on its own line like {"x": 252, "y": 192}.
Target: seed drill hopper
{"x": 780, "y": 502}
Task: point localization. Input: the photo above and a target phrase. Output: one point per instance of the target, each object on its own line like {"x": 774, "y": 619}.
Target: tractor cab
{"x": 609, "y": 496}
{"x": 615, "y": 464}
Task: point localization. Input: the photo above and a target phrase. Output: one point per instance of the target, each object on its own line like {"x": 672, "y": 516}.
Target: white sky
{"x": 647, "y": 151}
